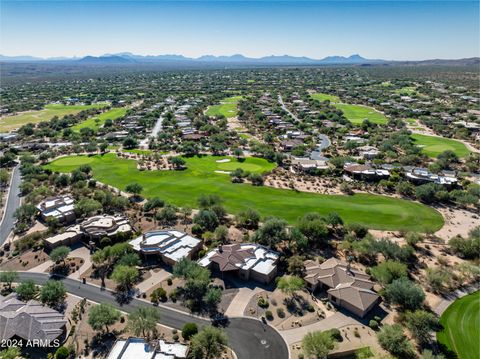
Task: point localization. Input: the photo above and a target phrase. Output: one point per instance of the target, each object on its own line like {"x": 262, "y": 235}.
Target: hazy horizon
{"x": 403, "y": 30}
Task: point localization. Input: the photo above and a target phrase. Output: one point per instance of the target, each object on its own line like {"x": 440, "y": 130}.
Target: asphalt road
{"x": 249, "y": 338}
{"x": 13, "y": 202}
{"x": 282, "y": 104}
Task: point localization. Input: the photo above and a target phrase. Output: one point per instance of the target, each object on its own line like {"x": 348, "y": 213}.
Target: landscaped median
{"x": 183, "y": 188}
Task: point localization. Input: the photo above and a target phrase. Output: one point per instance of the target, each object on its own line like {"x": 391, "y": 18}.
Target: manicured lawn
{"x": 325, "y": 97}
{"x": 461, "y": 327}
{"x": 9, "y": 123}
{"x": 357, "y": 113}
{"x": 92, "y": 122}
{"x": 227, "y": 107}
{"x": 432, "y": 146}
{"x": 354, "y": 113}
{"x": 184, "y": 187}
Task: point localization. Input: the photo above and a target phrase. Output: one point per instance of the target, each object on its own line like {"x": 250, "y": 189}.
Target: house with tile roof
{"x": 345, "y": 286}
{"x": 247, "y": 260}
{"x": 31, "y": 320}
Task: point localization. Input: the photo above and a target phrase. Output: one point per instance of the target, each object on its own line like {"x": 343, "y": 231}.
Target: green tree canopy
{"x": 53, "y": 293}
{"x": 393, "y": 339}
{"x": 208, "y": 343}
{"x": 59, "y": 254}
{"x": 26, "y": 290}
{"x": 125, "y": 276}
{"x": 318, "y": 344}
{"x": 8, "y": 277}
{"x": 103, "y": 315}
{"x": 143, "y": 321}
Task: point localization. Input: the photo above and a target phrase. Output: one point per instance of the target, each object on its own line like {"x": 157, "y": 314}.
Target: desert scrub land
{"x": 227, "y": 108}
{"x": 461, "y": 325}
{"x": 9, "y": 123}
{"x": 183, "y": 187}
{"x": 432, "y": 146}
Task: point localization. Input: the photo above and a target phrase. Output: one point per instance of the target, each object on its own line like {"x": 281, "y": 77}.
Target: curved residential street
{"x": 13, "y": 202}
{"x": 248, "y": 338}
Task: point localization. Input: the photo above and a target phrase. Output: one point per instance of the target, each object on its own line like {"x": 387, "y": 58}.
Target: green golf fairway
{"x": 227, "y": 108}
{"x": 356, "y": 114}
{"x": 432, "y": 146}
{"x": 111, "y": 114}
{"x": 9, "y": 123}
{"x": 184, "y": 187}
{"x": 461, "y": 327}
{"x": 325, "y": 97}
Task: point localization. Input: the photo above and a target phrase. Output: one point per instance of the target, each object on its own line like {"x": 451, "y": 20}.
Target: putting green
{"x": 356, "y": 114}
{"x": 69, "y": 163}
{"x": 96, "y": 122}
{"x": 184, "y": 187}
{"x": 9, "y": 123}
{"x": 227, "y": 107}
{"x": 432, "y": 146}
{"x": 461, "y": 327}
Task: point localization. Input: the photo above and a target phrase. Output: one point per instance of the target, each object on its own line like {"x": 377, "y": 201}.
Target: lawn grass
{"x": 91, "y": 122}
{"x": 461, "y": 327}
{"x": 325, "y": 97}
{"x": 354, "y": 113}
{"x": 432, "y": 146}
{"x": 184, "y": 187}
{"x": 227, "y": 107}
{"x": 9, "y": 123}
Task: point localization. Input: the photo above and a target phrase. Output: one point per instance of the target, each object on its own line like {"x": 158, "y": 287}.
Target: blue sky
{"x": 375, "y": 29}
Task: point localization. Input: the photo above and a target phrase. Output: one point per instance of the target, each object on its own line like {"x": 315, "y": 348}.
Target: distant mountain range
{"x": 127, "y": 58}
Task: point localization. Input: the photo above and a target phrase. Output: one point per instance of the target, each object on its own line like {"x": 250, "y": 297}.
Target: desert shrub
{"x": 269, "y": 315}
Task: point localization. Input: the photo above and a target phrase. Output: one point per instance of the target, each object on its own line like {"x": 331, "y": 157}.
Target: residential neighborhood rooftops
{"x": 171, "y": 244}
{"x": 105, "y": 226}
{"x": 347, "y": 286}
{"x": 61, "y": 207}
{"x": 242, "y": 256}
{"x": 31, "y": 320}
{"x": 137, "y": 348}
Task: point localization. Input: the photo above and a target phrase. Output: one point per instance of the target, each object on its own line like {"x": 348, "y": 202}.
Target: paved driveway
{"x": 241, "y": 300}
{"x": 336, "y": 320}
